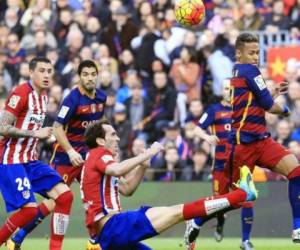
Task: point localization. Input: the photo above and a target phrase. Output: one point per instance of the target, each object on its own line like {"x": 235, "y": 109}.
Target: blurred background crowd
{"x": 159, "y": 76}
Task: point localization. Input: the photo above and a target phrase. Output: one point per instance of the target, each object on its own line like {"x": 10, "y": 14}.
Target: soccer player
{"x": 217, "y": 117}
{"x": 103, "y": 178}
{"x": 21, "y": 174}
{"x": 252, "y": 144}
{"x": 82, "y": 106}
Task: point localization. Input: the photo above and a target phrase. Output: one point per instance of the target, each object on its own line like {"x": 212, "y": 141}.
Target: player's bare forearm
{"x": 277, "y": 109}
{"x": 7, "y": 128}
{"x": 61, "y": 136}
{"x": 131, "y": 181}
{"x": 199, "y": 132}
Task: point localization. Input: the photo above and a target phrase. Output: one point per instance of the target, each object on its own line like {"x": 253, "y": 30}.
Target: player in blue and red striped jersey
{"x": 81, "y": 107}
{"x": 21, "y": 174}
{"x": 217, "y": 117}
{"x": 252, "y": 144}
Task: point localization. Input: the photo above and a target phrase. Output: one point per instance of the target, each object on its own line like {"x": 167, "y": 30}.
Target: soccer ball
{"x": 189, "y": 12}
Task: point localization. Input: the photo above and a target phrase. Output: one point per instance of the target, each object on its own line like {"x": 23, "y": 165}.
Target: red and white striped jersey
{"x": 99, "y": 192}
{"x": 29, "y": 108}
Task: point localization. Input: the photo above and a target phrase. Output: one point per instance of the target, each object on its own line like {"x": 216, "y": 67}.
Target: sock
{"x": 294, "y": 194}
{"x": 60, "y": 219}
{"x": 210, "y": 205}
{"x": 198, "y": 222}
{"x": 220, "y": 219}
{"x": 247, "y": 220}
{"x": 18, "y": 219}
{"x": 22, "y": 232}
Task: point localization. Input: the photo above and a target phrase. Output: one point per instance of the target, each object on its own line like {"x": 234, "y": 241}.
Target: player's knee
{"x": 65, "y": 198}
{"x": 29, "y": 212}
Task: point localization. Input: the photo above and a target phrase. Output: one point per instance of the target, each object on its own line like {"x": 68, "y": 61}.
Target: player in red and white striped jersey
{"x": 103, "y": 178}
{"x": 21, "y": 174}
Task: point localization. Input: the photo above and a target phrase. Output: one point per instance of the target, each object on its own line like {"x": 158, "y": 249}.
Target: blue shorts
{"x": 124, "y": 231}
{"x": 18, "y": 182}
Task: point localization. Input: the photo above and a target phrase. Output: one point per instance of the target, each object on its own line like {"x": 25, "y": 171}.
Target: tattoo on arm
{"x": 8, "y": 129}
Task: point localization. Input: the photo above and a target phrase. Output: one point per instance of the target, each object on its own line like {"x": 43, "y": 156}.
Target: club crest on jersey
{"x": 13, "y": 101}
{"x": 26, "y": 194}
{"x": 63, "y": 111}
{"x": 260, "y": 82}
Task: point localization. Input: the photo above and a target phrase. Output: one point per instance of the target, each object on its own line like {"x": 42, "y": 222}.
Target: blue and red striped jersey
{"x": 77, "y": 111}
{"x": 217, "y": 117}
{"x": 250, "y": 98}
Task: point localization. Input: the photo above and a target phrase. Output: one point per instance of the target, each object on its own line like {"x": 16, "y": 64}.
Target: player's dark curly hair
{"x": 86, "y": 64}
{"x": 94, "y": 131}
{"x": 245, "y": 38}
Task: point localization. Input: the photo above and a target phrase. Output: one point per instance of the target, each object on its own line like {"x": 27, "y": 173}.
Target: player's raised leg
{"x": 164, "y": 217}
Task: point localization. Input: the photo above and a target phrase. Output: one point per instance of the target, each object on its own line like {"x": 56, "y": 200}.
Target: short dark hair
{"x": 245, "y": 38}
{"x": 33, "y": 63}
{"x": 94, "y": 131}
{"x": 86, "y": 64}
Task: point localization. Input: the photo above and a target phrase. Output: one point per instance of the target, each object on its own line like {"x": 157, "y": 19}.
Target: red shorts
{"x": 220, "y": 182}
{"x": 264, "y": 153}
{"x": 68, "y": 173}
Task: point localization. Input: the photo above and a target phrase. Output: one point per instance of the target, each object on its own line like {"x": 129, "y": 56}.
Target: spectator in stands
{"x": 221, "y": 12}
{"x": 144, "y": 9}
{"x": 272, "y": 121}
{"x": 106, "y": 61}
{"x": 4, "y": 73}
{"x": 11, "y": 20}
{"x": 250, "y": 20}
{"x": 169, "y": 167}
{"x": 195, "y": 111}
{"x": 216, "y": 58}
{"x": 93, "y": 32}
{"x": 277, "y": 20}
{"x": 138, "y": 111}
{"x": 199, "y": 170}
{"x": 144, "y": 49}
{"x": 186, "y": 73}
{"x": 173, "y": 135}
{"x": 123, "y": 128}
{"x": 15, "y": 55}
{"x": 190, "y": 40}
{"x": 62, "y": 26}
{"x": 41, "y": 47}
{"x": 24, "y": 72}
{"x": 293, "y": 93}
{"x": 126, "y": 63}
{"x": 37, "y": 24}
{"x": 125, "y": 92}
{"x": 163, "y": 98}
{"x": 295, "y": 116}
{"x": 105, "y": 81}
{"x": 283, "y": 129}
{"x": 56, "y": 92}
{"x": 119, "y": 33}
{"x": 37, "y": 7}
{"x": 110, "y": 104}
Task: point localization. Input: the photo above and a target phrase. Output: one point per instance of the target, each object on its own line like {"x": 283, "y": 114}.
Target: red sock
{"x": 60, "y": 219}
{"x": 18, "y": 219}
{"x": 44, "y": 209}
{"x": 209, "y": 205}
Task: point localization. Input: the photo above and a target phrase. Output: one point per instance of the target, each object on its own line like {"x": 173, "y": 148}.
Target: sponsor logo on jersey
{"x": 107, "y": 158}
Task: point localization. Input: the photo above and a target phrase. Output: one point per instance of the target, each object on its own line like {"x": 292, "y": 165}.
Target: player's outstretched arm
{"x": 277, "y": 109}
{"x": 124, "y": 167}
{"x": 211, "y": 139}
{"x": 61, "y": 137}
{"x": 8, "y": 129}
{"x": 130, "y": 182}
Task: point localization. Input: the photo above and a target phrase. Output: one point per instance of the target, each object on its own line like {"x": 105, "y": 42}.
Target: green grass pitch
{"x": 174, "y": 244}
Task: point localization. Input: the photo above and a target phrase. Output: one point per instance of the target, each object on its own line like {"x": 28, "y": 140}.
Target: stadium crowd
{"x": 159, "y": 76}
